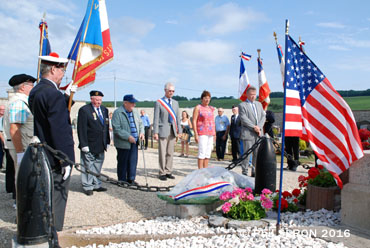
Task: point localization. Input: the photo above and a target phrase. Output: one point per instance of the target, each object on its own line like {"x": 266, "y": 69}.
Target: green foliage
{"x": 247, "y": 210}
{"x": 302, "y": 198}
{"x": 324, "y": 179}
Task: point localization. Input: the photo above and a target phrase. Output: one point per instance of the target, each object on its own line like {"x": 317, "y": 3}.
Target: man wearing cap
{"x": 52, "y": 125}
{"x": 18, "y": 120}
{"x": 93, "y": 135}
{"x": 128, "y": 129}
{"x": 166, "y": 127}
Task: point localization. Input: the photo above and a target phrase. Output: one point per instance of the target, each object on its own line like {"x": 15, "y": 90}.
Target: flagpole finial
{"x": 275, "y": 35}
{"x": 44, "y": 15}
{"x": 286, "y": 26}
{"x": 259, "y": 52}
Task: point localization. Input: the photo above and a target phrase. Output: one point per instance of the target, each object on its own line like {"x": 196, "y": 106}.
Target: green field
{"x": 276, "y": 105}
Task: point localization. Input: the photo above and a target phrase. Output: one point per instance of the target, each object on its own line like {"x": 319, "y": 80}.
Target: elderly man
{"x": 127, "y": 130}
{"x": 93, "y": 134}
{"x": 252, "y": 118}
{"x": 166, "y": 127}
{"x": 145, "y": 119}
{"x": 18, "y": 121}
{"x": 235, "y": 133}
{"x": 52, "y": 125}
{"x": 222, "y": 131}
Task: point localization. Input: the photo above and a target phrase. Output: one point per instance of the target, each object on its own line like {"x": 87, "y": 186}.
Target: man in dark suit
{"x": 52, "y": 125}
{"x": 93, "y": 134}
{"x": 235, "y": 133}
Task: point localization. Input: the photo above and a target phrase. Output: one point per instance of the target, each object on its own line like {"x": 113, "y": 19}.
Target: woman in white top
{"x": 186, "y": 126}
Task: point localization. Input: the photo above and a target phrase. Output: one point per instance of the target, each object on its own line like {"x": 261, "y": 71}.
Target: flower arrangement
{"x": 289, "y": 200}
{"x": 364, "y": 136}
{"x": 241, "y": 204}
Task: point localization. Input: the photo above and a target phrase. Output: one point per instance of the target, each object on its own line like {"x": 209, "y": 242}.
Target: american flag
{"x": 264, "y": 91}
{"x": 316, "y": 112}
{"x": 245, "y": 56}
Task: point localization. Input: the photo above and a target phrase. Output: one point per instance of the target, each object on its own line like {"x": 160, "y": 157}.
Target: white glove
{"x": 19, "y": 157}
{"x": 71, "y": 88}
{"x": 85, "y": 149}
{"x": 66, "y": 172}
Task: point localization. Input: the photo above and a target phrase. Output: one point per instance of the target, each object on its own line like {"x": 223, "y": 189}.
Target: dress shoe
{"x": 170, "y": 176}
{"x": 101, "y": 189}
{"x": 132, "y": 182}
{"x": 89, "y": 192}
{"x": 163, "y": 177}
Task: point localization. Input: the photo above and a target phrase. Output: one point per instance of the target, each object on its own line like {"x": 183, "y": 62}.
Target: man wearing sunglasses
{"x": 52, "y": 125}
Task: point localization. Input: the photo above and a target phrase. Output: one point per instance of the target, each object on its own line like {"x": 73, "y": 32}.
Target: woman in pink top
{"x": 204, "y": 129}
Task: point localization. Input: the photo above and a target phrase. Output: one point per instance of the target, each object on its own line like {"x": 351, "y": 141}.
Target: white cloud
{"x": 338, "y": 48}
{"x": 229, "y": 18}
{"x": 173, "y": 22}
{"x": 331, "y": 25}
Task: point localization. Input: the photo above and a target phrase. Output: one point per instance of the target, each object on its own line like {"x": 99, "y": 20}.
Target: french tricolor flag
{"x": 245, "y": 56}
{"x": 92, "y": 47}
{"x": 243, "y": 82}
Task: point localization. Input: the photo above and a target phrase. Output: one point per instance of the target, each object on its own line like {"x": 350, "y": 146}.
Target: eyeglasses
{"x": 171, "y": 90}
{"x": 61, "y": 67}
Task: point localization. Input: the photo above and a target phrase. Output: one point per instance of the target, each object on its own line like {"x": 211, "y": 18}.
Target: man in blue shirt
{"x": 222, "y": 131}
{"x": 145, "y": 119}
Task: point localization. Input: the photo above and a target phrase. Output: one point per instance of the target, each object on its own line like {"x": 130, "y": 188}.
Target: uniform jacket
{"x": 248, "y": 120}
{"x": 161, "y": 126}
{"x": 52, "y": 123}
{"x": 121, "y": 127}
{"x": 235, "y": 127}
{"x": 91, "y": 132}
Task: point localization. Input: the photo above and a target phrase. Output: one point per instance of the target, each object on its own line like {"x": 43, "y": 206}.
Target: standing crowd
{"x": 42, "y": 111}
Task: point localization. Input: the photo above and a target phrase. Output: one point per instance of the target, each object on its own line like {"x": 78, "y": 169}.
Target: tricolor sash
{"x": 202, "y": 190}
{"x": 170, "y": 111}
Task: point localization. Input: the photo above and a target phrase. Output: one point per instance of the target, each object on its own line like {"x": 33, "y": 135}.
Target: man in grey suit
{"x": 166, "y": 127}
{"x": 252, "y": 118}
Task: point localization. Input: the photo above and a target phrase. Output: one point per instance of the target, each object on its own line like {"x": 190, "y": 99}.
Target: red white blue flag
{"x": 245, "y": 56}
{"x": 243, "y": 82}
{"x": 281, "y": 60}
{"x": 45, "y": 48}
{"x": 264, "y": 89}
{"x": 92, "y": 47}
{"x": 316, "y": 112}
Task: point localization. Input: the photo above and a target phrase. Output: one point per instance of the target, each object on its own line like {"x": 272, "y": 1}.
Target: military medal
{"x": 94, "y": 114}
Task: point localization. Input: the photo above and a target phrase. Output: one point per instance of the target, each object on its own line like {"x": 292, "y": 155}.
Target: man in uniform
{"x": 252, "y": 118}
{"x": 93, "y": 134}
{"x": 166, "y": 127}
{"x": 52, "y": 124}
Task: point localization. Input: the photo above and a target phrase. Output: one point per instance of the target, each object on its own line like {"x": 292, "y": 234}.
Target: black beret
{"x": 20, "y": 78}
{"x": 96, "y": 93}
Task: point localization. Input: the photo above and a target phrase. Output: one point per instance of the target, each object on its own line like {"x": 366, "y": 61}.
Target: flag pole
{"x": 74, "y": 77}
{"x": 41, "y": 45}
{"x": 283, "y": 134}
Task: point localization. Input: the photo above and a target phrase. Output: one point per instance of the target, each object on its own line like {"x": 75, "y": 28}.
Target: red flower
{"x": 296, "y": 192}
{"x": 320, "y": 167}
{"x": 313, "y": 172}
{"x": 277, "y": 191}
{"x": 301, "y": 178}
{"x": 365, "y": 145}
{"x": 295, "y": 200}
{"x": 286, "y": 194}
{"x": 364, "y": 134}
{"x": 284, "y": 204}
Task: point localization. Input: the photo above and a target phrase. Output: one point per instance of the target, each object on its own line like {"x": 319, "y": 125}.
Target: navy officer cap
{"x": 129, "y": 98}
{"x": 20, "y": 78}
{"x": 96, "y": 93}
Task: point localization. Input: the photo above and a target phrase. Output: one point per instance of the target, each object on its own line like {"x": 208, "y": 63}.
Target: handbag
{"x": 184, "y": 136}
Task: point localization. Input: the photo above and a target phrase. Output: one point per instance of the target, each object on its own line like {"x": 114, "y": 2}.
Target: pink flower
{"x": 249, "y": 190}
{"x": 266, "y": 191}
{"x": 250, "y": 197}
{"x": 243, "y": 196}
{"x": 226, "y": 207}
{"x": 225, "y": 196}
{"x": 237, "y": 192}
{"x": 266, "y": 203}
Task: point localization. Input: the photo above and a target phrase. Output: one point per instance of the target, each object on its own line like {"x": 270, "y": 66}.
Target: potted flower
{"x": 364, "y": 136}
{"x": 241, "y": 204}
{"x": 322, "y": 190}
{"x": 289, "y": 201}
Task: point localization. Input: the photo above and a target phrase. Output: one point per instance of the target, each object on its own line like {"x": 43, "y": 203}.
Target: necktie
{"x": 255, "y": 111}
{"x": 170, "y": 120}
{"x": 100, "y": 116}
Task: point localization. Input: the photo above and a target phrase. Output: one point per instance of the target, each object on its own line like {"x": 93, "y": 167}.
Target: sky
{"x": 193, "y": 43}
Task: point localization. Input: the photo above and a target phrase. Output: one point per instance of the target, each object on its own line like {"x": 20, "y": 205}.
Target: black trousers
{"x": 146, "y": 129}
{"x": 235, "y": 148}
{"x": 220, "y": 144}
{"x": 9, "y": 174}
{"x": 292, "y": 148}
{"x": 60, "y": 196}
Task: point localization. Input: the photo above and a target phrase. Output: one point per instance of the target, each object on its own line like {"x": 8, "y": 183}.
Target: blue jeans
{"x": 126, "y": 163}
